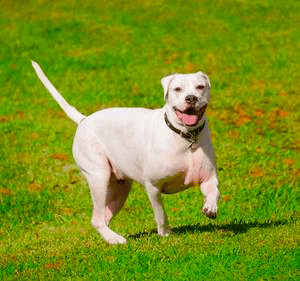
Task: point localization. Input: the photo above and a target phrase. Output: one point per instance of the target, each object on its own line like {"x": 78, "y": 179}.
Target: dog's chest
{"x": 183, "y": 171}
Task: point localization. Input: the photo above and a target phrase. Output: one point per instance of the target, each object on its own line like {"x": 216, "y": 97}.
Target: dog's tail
{"x": 71, "y": 111}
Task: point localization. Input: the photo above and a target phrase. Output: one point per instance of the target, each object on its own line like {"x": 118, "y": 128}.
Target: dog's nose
{"x": 191, "y": 99}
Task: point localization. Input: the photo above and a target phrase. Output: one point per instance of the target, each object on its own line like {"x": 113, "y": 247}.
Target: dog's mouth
{"x": 191, "y": 116}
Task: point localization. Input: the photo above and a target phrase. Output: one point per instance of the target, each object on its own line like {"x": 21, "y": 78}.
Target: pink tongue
{"x": 187, "y": 119}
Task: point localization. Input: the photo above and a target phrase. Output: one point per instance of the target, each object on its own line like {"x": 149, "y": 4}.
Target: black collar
{"x": 191, "y": 135}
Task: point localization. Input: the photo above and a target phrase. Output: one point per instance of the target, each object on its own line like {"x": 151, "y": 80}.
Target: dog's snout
{"x": 191, "y": 99}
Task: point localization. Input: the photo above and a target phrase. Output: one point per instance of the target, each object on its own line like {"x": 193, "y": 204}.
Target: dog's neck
{"x": 189, "y": 135}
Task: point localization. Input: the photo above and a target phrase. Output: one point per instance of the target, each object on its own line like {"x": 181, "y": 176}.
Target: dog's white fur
{"x": 115, "y": 146}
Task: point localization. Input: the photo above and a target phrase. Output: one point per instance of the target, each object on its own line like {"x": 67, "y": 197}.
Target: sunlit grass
{"x": 114, "y": 53}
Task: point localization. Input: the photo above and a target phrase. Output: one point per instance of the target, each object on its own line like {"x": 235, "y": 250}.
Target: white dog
{"x": 167, "y": 150}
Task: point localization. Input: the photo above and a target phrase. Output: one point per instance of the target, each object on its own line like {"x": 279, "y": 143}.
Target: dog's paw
{"x": 118, "y": 239}
{"x": 210, "y": 211}
{"x": 110, "y": 236}
{"x": 164, "y": 231}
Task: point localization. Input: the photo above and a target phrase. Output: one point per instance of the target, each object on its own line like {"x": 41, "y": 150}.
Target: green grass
{"x": 114, "y": 53}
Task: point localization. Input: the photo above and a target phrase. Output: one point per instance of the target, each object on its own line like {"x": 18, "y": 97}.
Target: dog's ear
{"x": 165, "y": 82}
{"x": 205, "y": 77}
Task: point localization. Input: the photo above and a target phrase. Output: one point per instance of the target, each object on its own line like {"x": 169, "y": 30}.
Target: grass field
{"x": 114, "y": 53}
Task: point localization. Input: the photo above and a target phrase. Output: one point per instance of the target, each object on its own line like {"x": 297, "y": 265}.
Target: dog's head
{"x": 187, "y": 96}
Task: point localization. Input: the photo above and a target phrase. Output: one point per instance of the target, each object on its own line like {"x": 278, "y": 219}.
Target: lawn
{"x": 113, "y": 53}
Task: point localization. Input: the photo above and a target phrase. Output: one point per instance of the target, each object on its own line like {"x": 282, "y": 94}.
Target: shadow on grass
{"x": 232, "y": 228}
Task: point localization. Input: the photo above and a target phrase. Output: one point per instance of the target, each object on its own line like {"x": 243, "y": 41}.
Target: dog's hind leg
{"x": 117, "y": 194}
{"x": 105, "y": 206}
{"x": 98, "y": 172}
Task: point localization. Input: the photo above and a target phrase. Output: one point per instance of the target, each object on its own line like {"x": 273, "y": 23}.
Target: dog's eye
{"x": 178, "y": 89}
{"x": 200, "y": 87}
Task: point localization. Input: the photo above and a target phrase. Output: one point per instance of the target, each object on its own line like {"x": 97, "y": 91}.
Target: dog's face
{"x": 187, "y": 96}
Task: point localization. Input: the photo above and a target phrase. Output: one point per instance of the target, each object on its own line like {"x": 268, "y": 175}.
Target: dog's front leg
{"x": 211, "y": 193}
{"x": 161, "y": 218}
